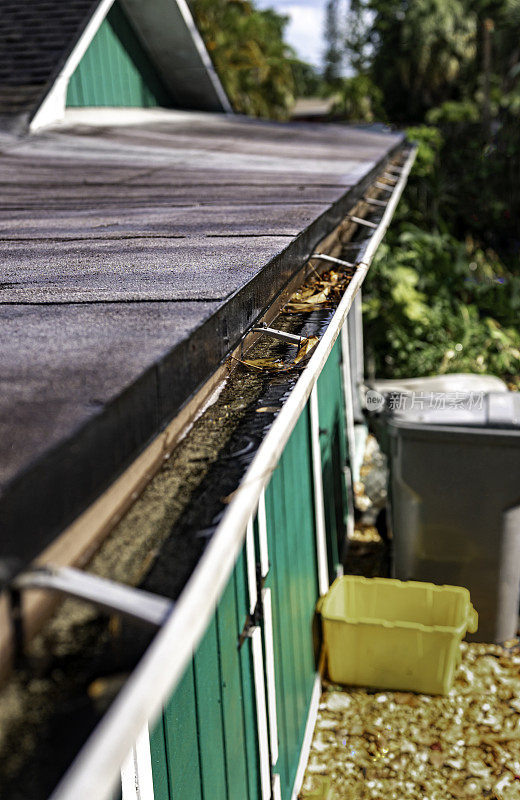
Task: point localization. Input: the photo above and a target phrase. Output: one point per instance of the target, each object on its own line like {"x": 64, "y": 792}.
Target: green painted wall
{"x": 333, "y": 446}
{"x": 115, "y": 70}
{"x": 204, "y": 746}
{"x": 292, "y": 578}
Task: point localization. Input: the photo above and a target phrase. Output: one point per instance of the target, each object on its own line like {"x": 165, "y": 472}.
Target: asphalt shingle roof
{"x": 133, "y": 259}
{"x": 36, "y": 36}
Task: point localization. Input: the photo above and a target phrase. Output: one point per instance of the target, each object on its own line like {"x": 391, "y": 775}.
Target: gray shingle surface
{"x": 35, "y": 38}
{"x": 132, "y": 259}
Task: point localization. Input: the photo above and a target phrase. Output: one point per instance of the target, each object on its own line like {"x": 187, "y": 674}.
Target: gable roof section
{"x": 170, "y": 35}
{"x": 116, "y": 71}
{"x": 43, "y": 41}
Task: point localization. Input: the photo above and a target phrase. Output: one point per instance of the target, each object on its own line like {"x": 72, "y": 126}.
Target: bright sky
{"x": 305, "y": 30}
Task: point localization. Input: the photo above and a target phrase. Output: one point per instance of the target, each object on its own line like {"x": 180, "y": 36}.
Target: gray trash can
{"x": 455, "y": 498}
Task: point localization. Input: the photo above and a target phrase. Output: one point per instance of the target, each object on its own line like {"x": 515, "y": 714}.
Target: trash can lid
{"x": 468, "y": 409}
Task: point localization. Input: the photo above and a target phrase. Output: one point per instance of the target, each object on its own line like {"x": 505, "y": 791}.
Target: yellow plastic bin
{"x": 391, "y": 634}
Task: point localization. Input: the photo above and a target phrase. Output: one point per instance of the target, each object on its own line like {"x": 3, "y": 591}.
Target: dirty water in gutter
{"x": 74, "y": 668}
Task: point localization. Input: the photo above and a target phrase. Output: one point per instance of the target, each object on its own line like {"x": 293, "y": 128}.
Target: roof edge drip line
{"x": 95, "y": 771}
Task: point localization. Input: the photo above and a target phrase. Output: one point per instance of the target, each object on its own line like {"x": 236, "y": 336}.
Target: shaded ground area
{"x": 369, "y": 550}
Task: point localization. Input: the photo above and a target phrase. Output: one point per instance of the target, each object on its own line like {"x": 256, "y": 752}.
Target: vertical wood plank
{"x": 333, "y": 441}
{"x": 277, "y": 580}
{"x": 294, "y": 480}
{"x": 248, "y": 688}
{"x": 261, "y": 528}
{"x": 270, "y": 674}
{"x": 209, "y": 715}
{"x": 261, "y": 713}
{"x": 234, "y": 734}
{"x": 182, "y": 747}
{"x": 116, "y": 70}
{"x": 309, "y": 547}
{"x": 348, "y": 391}
{"x": 304, "y": 541}
{"x": 159, "y": 761}
{"x": 292, "y": 578}
{"x": 319, "y": 506}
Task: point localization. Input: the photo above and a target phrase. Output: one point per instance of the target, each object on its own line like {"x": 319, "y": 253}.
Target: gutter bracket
{"x": 253, "y": 621}
{"x": 282, "y": 336}
{"x": 105, "y": 594}
{"x": 333, "y": 260}
{"x": 373, "y": 201}
{"x": 385, "y": 186}
{"x": 365, "y": 222}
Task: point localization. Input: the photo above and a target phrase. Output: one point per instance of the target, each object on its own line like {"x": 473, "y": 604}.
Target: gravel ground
{"x": 399, "y": 746}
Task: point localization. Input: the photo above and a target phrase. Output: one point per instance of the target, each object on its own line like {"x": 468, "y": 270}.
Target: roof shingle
{"x": 36, "y": 36}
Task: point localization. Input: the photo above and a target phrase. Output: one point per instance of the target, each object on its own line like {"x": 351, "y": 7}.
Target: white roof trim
{"x": 52, "y": 109}
{"x": 204, "y": 55}
{"x": 170, "y": 36}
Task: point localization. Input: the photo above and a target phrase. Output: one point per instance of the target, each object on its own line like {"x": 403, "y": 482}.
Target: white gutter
{"x": 319, "y": 504}
{"x": 95, "y": 771}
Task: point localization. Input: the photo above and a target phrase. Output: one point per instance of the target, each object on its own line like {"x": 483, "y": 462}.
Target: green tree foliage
{"x": 451, "y": 261}
{"x": 334, "y": 51}
{"x": 435, "y": 303}
{"x": 453, "y": 111}
{"x": 308, "y": 82}
{"x": 416, "y": 50}
{"x": 257, "y": 68}
{"x": 427, "y": 56}
{"x": 358, "y": 99}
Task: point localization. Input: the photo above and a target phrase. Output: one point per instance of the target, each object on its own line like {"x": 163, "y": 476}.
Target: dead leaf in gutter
{"x": 314, "y": 294}
{"x": 263, "y": 364}
{"x": 298, "y": 308}
{"x": 307, "y": 345}
{"x": 306, "y": 348}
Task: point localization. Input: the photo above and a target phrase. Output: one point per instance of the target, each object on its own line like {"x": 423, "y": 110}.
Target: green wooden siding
{"x": 116, "y": 70}
{"x": 161, "y": 783}
{"x": 247, "y": 683}
{"x": 333, "y": 446}
{"x": 208, "y": 681}
{"x": 293, "y": 580}
{"x": 181, "y": 740}
{"x": 204, "y": 746}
